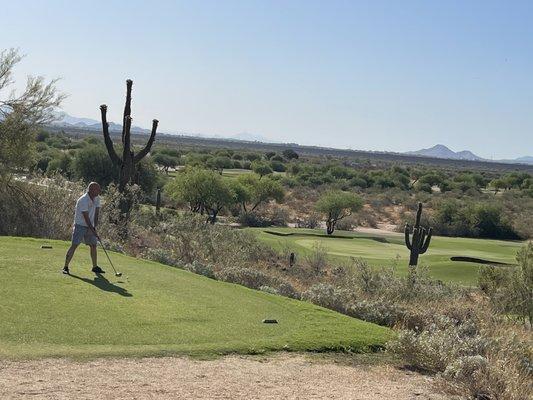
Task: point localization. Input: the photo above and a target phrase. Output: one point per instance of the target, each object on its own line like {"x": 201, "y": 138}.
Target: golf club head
{"x": 118, "y": 274}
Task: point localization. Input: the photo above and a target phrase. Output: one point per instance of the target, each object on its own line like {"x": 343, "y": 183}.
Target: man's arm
{"x": 88, "y": 221}
{"x": 96, "y": 213}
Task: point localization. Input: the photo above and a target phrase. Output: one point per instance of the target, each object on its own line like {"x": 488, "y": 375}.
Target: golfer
{"x": 85, "y": 221}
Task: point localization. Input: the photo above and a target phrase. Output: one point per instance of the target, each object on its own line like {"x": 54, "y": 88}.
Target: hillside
{"x": 152, "y": 310}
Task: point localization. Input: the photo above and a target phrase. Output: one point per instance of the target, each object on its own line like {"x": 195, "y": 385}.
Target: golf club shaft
{"x": 107, "y": 255}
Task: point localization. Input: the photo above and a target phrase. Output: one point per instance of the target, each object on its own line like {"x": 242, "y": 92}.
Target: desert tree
{"x": 252, "y": 191}
{"x": 336, "y": 205}
{"x": 165, "y": 161}
{"x": 261, "y": 168}
{"x": 22, "y": 114}
{"x": 204, "y": 191}
{"x": 290, "y": 154}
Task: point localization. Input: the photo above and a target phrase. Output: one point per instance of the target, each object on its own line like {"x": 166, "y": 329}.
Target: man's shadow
{"x": 103, "y": 284}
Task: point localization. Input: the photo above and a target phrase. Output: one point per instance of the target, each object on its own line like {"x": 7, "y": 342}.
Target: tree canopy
{"x": 204, "y": 191}
{"x": 21, "y": 115}
{"x": 337, "y": 205}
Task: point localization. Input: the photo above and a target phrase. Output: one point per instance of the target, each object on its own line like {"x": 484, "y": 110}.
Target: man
{"x": 85, "y": 221}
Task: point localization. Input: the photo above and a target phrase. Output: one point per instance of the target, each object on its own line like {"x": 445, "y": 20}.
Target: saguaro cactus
{"x": 129, "y": 159}
{"x": 420, "y": 241}
{"x": 158, "y": 202}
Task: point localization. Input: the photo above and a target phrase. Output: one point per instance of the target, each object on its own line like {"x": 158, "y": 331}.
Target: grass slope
{"x": 153, "y": 309}
{"x": 384, "y": 249}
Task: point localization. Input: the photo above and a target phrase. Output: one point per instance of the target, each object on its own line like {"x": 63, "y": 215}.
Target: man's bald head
{"x": 93, "y": 189}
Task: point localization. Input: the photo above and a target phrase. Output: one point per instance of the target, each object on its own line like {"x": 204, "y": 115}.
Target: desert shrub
{"x": 42, "y": 207}
{"x": 200, "y": 269}
{"x": 377, "y": 311}
{"x": 248, "y": 277}
{"x": 347, "y": 224}
{"x": 161, "y": 256}
{"x": 188, "y": 238}
{"x": 510, "y": 288}
{"x": 287, "y": 290}
{"x": 371, "y": 280}
{"x": 440, "y": 344}
{"x": 253, "y": 219}
{"x": 523, "y": 223}
{"x": 316, "y": 260}
{"x": 268, "y": 289}
{"x": 384, "y": 283}
{"x": 310, "y": 221}
{"x": 277, "y": 216}
{"x": 324, "y": 295}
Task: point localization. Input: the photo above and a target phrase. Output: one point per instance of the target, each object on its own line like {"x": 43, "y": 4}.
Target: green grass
{"x": 152, "y": 310}
{"x": 385, "y": 249}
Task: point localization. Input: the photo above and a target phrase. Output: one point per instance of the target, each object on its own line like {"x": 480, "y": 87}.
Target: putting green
{"x": 152, "y": 309}
{"x": 386, "y": 249}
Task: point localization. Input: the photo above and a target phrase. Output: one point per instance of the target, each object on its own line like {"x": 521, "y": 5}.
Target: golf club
{"x": 109, "y": 259}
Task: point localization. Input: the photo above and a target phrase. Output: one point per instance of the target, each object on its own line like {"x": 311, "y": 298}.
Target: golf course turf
{"x": 153, "y": 309}
{"x": 386, "y": 249}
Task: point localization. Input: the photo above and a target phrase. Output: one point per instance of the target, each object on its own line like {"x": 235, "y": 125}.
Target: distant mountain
{"x": 66, "y": 120}
{"x": 525, "y": 160}
{"x": 441, "y": 151}
{"x": 250, "y": 137}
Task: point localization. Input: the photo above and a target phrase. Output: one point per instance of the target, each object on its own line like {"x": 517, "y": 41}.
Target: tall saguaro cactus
{"x": 129, "y": 159}
{"x": 420, "y": 241}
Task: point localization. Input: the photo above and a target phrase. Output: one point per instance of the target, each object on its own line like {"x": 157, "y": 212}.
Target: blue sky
{"x": 377, "y": 75}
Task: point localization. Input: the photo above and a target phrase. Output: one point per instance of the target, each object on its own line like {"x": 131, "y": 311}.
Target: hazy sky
{"x": 379, "y": 75}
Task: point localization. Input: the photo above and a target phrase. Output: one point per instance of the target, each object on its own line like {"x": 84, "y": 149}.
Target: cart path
{"x": 282, "y": 376}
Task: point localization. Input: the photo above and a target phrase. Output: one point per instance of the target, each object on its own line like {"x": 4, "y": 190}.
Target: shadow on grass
{"x": 103, "y": 284}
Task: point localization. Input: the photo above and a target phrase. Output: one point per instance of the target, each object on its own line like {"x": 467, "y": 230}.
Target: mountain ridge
{"x": 64, "y": 119}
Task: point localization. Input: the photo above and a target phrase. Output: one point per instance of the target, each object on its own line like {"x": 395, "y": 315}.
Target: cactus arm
{"x": 139, "y": 156}
{"x": 406, "y": 232}
{"x": 107, "y": 139}
{"x": 426, "y": 243}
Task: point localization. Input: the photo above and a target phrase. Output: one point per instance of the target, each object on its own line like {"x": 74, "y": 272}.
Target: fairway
{"x": 386, "y": 249}
{"x": 152, "y": 310}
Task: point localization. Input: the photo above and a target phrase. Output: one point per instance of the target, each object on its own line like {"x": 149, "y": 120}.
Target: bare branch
{"x": 8, "y": 59}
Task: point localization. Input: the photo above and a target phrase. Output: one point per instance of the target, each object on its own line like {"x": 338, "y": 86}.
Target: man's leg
{"x": 94, "y": 255}
{"x": 70, "y": 254}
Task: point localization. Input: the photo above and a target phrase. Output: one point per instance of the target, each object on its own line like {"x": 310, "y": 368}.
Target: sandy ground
{"x": 233, "y": 377}
{"x": 382, "y": 230}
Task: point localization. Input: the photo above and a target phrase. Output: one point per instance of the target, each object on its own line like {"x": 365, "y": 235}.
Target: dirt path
{"x": 233, "y": 377}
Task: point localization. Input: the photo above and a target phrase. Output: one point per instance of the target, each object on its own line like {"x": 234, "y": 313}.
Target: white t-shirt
{"x": 85, "y": 203}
